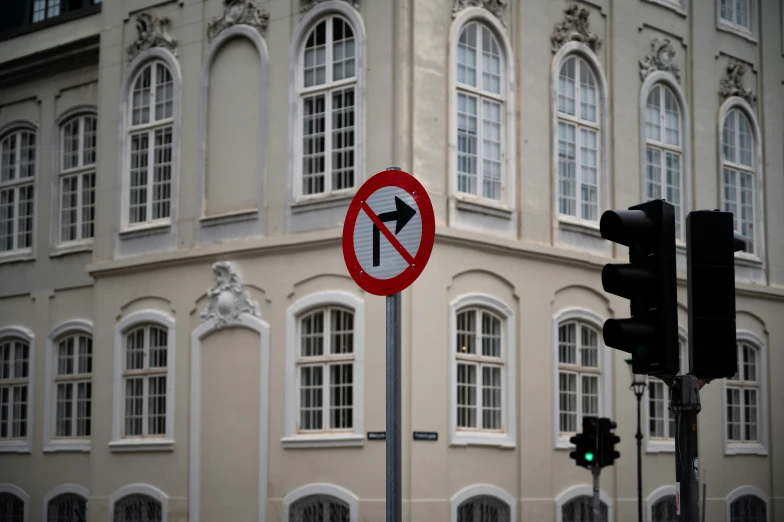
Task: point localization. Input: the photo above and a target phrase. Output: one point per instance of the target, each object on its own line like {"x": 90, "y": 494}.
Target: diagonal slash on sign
{"x": 387, "y": 234}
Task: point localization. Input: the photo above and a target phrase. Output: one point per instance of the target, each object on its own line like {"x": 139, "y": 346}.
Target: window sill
{"x": 737, "y": 31}
{"x": 322, "y": 202}
{"x": 563, "y": 443}
{"x": 660, "y": 446}
{"x": 501, "y": 440}
{"x": 750, "y": 260}
{"x": 75, "y": 248}
{"x": 483, "y": 206}
{"x": 145, "y": 230}
{"x": 56, "y": 446}
{"x": 15, "y": 447}
{"x": 590, "y": 228}
{"x": 16, "y": 256}
{"x": 739, "y": 448}
{"x": 672, "y": 6}
{"x": 132, "y": 445}
{"x": 229, "y": 217}
{"x": 323, "y": 441}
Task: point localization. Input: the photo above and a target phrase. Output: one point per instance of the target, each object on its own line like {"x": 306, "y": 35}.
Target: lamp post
{"x": 638, "y": 385}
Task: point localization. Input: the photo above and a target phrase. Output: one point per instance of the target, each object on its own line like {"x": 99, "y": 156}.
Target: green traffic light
{"x": 589, "y": 457}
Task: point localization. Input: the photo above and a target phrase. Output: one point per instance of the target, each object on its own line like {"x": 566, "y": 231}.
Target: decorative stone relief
{"x": 660, "y": 59}
{"x": 228, "y": 298}
{"x": 574, "y": 28}
{"x": 152, "y": 33}
{"x": 732, "y": 83}
{"x": 245, "y": 12}
{"x": 497, "y": 7}
{"x": 306, "y": 5}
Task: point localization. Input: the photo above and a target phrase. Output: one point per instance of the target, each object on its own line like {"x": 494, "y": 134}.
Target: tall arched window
{"x": 145, "y": 374}
{"x": 580, "y": 509}
{"x": 73, "y": 386}
{"x": 743, "y": 397}
{"x": 579, "y": 374}
{"x": 319, "y": 508}
{"x": 67, "y": 507}
{"x": 664, "y": 150}
{"x": 12, "y": 507}
{"x": 138, "y": 507}
{"x": 150, "y": 133}
{"x": 327, "y": 84}
{"x": 480, "y": 113}
{"x": 579, "y": 138}
{"x": 14, "y": 388}
{"x": 77, "y": 178}
{"x": 739, "y": 175}
{"x": 17, "y": 186}
{"x": 483, "y": 508}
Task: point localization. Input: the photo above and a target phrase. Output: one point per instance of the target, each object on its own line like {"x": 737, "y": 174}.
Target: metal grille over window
{"x": 664, "y": 510}
{"x": 580, "y": 509}
{"x": 748, "y": 508}
{"x": 743, "y": 397}
{"x": 145, "y": 379}
{"x": 17, "y": 182}
{"x": 738, "y": 175}
{"x": 67, "y": 507}
{"x": 11, "y": 508}
{"x": 74, "y": 386}
{"x": 14, "y": 380}
{"x": 77, "y": 179}
{"x": 480, "y": 113}
{"x": 483, "y": 508}
{"x": 328, "y": 105}
{"x": 325, "y": 365}
{"x": 138, "y": 508}
{"x": 319, "y": 508}
{"x": 579, "y": 374}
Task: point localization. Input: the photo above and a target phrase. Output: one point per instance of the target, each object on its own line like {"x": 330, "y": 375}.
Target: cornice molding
{"x": 731, "y": 84}
{"x": 660, "y": 59}
{"x": 307, "y": 5}
{"x": 152, "y": 32}
{"x": 575, "y": 27}
{"x": 236, "y": 12}
{"x": 496, "y": 7}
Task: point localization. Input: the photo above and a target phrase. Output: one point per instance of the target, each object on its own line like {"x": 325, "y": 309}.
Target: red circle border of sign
{"x": 407, "y": 182}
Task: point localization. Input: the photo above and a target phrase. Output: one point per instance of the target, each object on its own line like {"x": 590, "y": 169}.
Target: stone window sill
{"x": 322, "y": 202}
{"x": 483, "y": 206}
{"x": 496, "y": 440}
{"x": 145, "y": 230}
{"x": 78, "y": 446}
{"x": 323, "y": 441}
{"x": 737, "y": 31}
{"x": 132, "y": 445}
{"x": 229, "y": 217}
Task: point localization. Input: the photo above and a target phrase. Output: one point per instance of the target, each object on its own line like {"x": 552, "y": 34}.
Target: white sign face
{"x": 397, "y": 211}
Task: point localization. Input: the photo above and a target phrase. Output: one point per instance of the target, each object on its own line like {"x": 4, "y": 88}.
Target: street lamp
{"x": 638, "y": 385}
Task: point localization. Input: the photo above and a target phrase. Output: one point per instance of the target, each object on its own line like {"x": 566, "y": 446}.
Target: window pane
{"x": 728, "y": 136}
{"x": 588, "y": 175}
{"x": 24, "y": 237}
{"x": 466, "y": 332}
{"x": 71, "y": 144}
{"x": 749, "y": 363}
{"x": 750, "y": 415}
{"x": 64, "y": 420}
{"x": 491, "y": 150}
{"x": 7, "y": 214}
{"x": 491, "y": 398}
{"x": 161, "y": 187}
{"x": 69, "y": 208}
{"x": 156, "y": 405}
{"x": 312, "y": 334}
{"x": 140, "y": 144}
{"x": 466, "y": 396}
{"x": 343, "y": 139}
{"x": 673, "y": 179}
{"x": 134, "y": 407}
{"x": 491, "y": 63}
{"x": 733, "y": 414}
{"x": 134, "y": 350}
{"x": 567, "y": 168}
{"x": 672, "y": 119}
{"x": 65, "y": 356}
{"x": 590, "y": 395}
{"x": 88, "y": 205}
{"x": 342, "y": 329}
{"x": 567, "y": 343}
{"x": 140, "y": 97}
{"x": 567, "y": 87}
{"x": 567, "y": 402}
{"x": 315, "y": 58}
{"x": 313, "y": 144}
{"x": 341, "y": 397}
{"x": 491, "y": 335}
{"x": 159, "y": 342}
{"x": 587, "y": 93}
{"x": 656, "y": 406}
{"x": 653, "y": 114}
{"x": 466, "y": 56}
{"x": 311, "y": 397}
{"x": 343, "y": 50}
{"x": 589, "y": 348}
{"x": 89, "y": 144}
{"x": 83, "y": 408}
{"x": 467, "y": 147}
{"x": 164, "y": 93}
{"x": 653, "y": 170}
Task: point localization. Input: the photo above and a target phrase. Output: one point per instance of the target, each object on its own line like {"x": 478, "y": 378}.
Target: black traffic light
{"x": 607, "y": 442}
{"x": 585, "y": 453}
{"x": 648, "y": 282}
{"x": 711, "y": 245}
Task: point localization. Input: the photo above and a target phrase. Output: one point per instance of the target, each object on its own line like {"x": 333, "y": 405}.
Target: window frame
{"x": 749, "y": 33}
{"x": 759, "y": 447}
{"x": 22, "y": 445}
{"x": 51, "y": 443}
{"x": 65, "y": 489}
{"x": 80, "y": 113}
{"x": 17, "y": 127}
{"x": 140, "y": 489}
{"x": 292, "y": 438}
{"x": 165, "y": 442}
{"x": 678, "y": 6}
{"x": 663, "y": 444}
{"x": 507, "y": 436}
{"x": 742, "y": 491}
{"x": 20, "y": 494}
{"x": 480, "y": 490}
{"x": 322, "y": 488}
{"x": 580, "y": 490}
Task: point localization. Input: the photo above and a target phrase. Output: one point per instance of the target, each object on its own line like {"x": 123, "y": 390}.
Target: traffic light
{"x": 710, "y": 257}
{"x": 585, "y": 454}
{"x": 648, "y": 282}
{"x": 607, "y": 442}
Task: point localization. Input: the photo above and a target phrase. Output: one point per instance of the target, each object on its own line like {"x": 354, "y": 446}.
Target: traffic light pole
{"x": 597, "y": 515}
{"x": 685, "y": 403}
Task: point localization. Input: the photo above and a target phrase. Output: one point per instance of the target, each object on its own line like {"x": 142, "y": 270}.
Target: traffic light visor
{"x": 625, "y": 226}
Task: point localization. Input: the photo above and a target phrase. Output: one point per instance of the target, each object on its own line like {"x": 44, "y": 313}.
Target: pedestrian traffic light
{"x": 710, "y": 261}
{"x": 648, "y": 282}
{"x": 607, "y": 442}
{"x": 584, "y": 454}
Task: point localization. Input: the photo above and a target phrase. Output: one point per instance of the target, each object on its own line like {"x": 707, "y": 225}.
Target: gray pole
{"x": 686, "y": 405}
{"x": 639, "y": 457}
{"x": 596, "y": 502}
{"x": 393, "y": 437}
{"x": 704, "y": 491}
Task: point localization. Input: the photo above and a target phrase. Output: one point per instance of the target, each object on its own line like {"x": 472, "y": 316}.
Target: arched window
{"x": 67, "y": 507}
{"x": 579, "y": 374}
{"x": 739, "y": 175}
{"x": 12, "y": 508}
{"x": 481, "y": 99}
{"x": 73, "y": 385}
{"x": 580, "y": 509}
{"x": 17, "y": 186}
{"x": 138, "y": 508}
{"x": 319, "y": 508}
{"x": 327, "y": 85}
{"x": 483, "y": 508}
{"x": 743, "y": 397}
{"x": 14, "y": 388}
{"x": 748, "y": 508}
{"x": 579, "y": 138}
{"x": 150, "y": 134}
{"x": 77, "y": 178}
{"x": 145, "y": 374}
{"x": 664, "y": 150}
{"x": 663, "y": 510}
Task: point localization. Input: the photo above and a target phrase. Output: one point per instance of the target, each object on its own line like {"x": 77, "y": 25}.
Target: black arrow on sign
{"x": 402, "y": 214}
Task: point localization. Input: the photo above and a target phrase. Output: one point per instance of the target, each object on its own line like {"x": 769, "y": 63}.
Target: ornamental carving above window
{"x": 152, "y": 33}
{"x": 575, "y": 27}
{"x": 660, "y": 59}
{"x": 731, "y": 84}
{"x": 228, "y": 299}
{"x": 239, "y": 12}
{"x": 307, "y": 5}
{"x": 496, "y": 7}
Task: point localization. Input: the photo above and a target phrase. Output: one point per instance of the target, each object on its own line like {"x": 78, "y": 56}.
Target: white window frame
{"x": 604, "y": 167}
{"x": 749, "y": 33}
{"x": 325, "y": 12}
{"x": 20, "y": 493}
{"x": 655, "y": 496}
{"x": 16, "y": 127}
{"x": 578, "y": 491}
{"x": 477, "y": 490}
{"x": 322, "y": 488}
{"x": 749, "y": 448}
{"x": 64, "y": 489}
{"x": 743, "y": 491}
{"x": 507, "y": 437}
{"x": 595, "y": 321}
{"x": 140, "y": 489}
{"x": 22, "y": 445}
{"x": 145, "y": 443}
{"x": 663, "y": 444}
{"x": 79, "y": 171}
{"x": 665, "y": 79}
{"x": 505, "y": 206}
{"x": 50, "y": 442}
{"x": 355, "y": 436}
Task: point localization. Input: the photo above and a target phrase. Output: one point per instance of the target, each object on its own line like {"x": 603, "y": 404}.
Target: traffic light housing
{"x": 585, "y": 453}
{"x": 650, "y": 335}
{"x": 711, "y": 245}
{"x": 607, "y": 442}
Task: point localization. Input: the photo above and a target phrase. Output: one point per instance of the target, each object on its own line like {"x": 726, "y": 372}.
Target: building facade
{"x": 180, "y": 339}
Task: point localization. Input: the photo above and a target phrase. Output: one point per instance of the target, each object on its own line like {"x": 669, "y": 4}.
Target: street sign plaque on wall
{"x": 388, "y": 233}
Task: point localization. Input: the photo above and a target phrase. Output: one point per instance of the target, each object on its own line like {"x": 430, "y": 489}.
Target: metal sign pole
{"x": 393, "y": 438}
{"x": 596, "y": 502}
{"x": 686, "y": 405}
